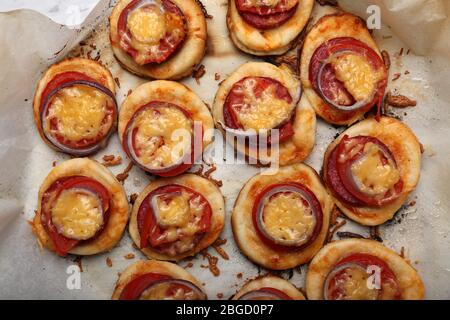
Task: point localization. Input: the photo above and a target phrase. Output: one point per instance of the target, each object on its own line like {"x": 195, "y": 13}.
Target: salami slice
{"x": 359, "y": 67}
{"x": 168, "y": 233}
{"x": 151, "y": 31}
{"x": 266, "y": 96}
{"x": 350, "y": 189}
{"x": 64, "y": 240}
{"x": 349, "y": 277}
{"x": 71, "y": 96}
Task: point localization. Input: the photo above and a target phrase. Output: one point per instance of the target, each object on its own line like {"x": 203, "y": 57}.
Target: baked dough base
{"x": 143, "y": 267}
{"x": 270, "y": 281}
{"x": 410, "y": 283}
{"x": 405, "y": 147}
{"x": 201, "y": 185}
{"x": 329, "y": 27}
{"x": 178, "y": 65}
{"x": 88, "y": 67}
{"x": 300, "y": 145}
{"x": 118, "y": 212}
{"x": 274, "y": 41}
{"x": 245, "y": 233}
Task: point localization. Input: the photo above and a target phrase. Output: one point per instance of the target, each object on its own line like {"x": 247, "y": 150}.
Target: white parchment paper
{"x": 30, "y": 42}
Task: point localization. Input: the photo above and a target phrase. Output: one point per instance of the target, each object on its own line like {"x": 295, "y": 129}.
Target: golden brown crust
{"x": 143, "y": 267}
{"x": 299, "y": 146}
{"x": 179, "y": 65}
{"x": 88, "y": 67}
{"x": 245, "y": 233}
{"x": 275, "y": 41}
{"x": 167, "y": 91}
{"x": 270, "y": 282}
{"x": 118, "y": 212}
{"x": 201, "y": 185}
{"x": 410, "y": 283}
{"x": 329, "y": 27}
{"x": 405, "y": 147}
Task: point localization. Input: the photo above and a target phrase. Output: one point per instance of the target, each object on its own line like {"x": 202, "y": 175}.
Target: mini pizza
{"x": 259, "y": 97}
{"x": 160, "y": 39}
{"x": 164, "y": 127}
{"x": 342, "y": 71}
{"x": 174, "y": 218}
{"x": 157, "y": 280}
{"x": 280, "y": 221}
{"x": 82, "y": 209}
{"x": 267, "y": 27}
{"x": 371, "y": 168}
{"x": 75, "y": 107}
{"x": 268, "y": 288}
{"x": 360, "y": 269}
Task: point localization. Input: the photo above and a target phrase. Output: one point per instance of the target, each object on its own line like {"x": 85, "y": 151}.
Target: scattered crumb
{"x": 219, "y": 295}
{"x": 422, "y": 149}
{"x": 401, "y": 52}
{"x": 334, "y": 229}
{"x": 133, "y": 198}
{"x": 207, "y": 174}
{"x": 412, "y": 203}
{"x": 54, "y": 163}
{"x": 189, "y": 265}
{"x": 375, "y": 234}
{"x": 239, "y": 275}
{"x": 407, "y": 72}
{"x": 198, "y": 73}
{"x": 335, "y": 213}
{"x": 78, "y": 261}
{"x": 386, "y": 58}
{"x": 111, "y": 160}
{"x": 212, "y": 261}
{"x": 221, "y": 251}
{"x": 216, "y": 76}
{"x": 348, "y": 234}
{"x": 124, "y": 175}
{"x": 402, "y": 252}
{"x": 109, "y": 262}
{"x": 129, "y": 92}
{"x": 399, "y": 101}
{"x": 117, "y": 81}
{"x": 129, "y": 256}
{"x": 396, "y": 76}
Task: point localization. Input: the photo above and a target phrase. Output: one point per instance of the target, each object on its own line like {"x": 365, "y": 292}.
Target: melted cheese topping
{"x": 263, "y": 113}
{"x": 156, "y": 138}
{"x": 174, "y": 212}
{"x": 181, "y": 215}
{"x": 147, "y": 24}
{"x": 163, "y": 291}
{"x": 355, "y": 286}
{"x": 358, "y": 76}
{"x": 373, "y": 176}
{"x": 77, "y": 214}
{"x": 286, "y": 217}
{"x": 80, "y": 111}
